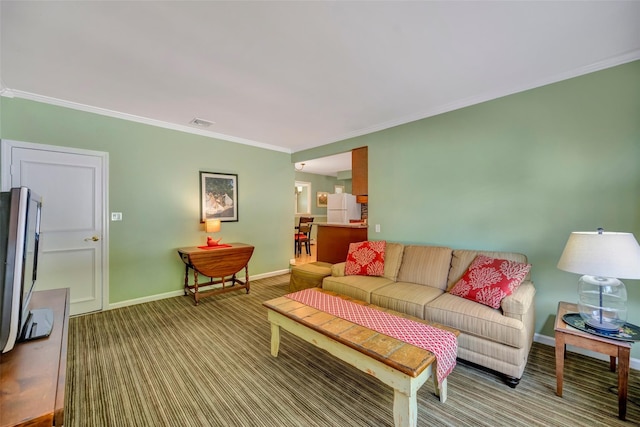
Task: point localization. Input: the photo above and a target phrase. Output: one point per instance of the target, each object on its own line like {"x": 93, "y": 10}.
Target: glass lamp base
{"x": 604, "y": 326}
{"x": 602, "y": 302}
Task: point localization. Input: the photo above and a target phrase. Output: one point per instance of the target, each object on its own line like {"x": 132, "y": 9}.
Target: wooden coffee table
{"x": 400, "y": 365}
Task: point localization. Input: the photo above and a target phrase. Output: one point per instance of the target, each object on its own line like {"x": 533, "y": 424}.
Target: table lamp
{"x": 212, "y": 226}
{"x": 602, "y": 257}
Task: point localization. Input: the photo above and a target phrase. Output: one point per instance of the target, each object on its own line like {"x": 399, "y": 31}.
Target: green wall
{"x": 519, "y": 173}
{"x": 516, "y": 174}
{"x": 321, "y": 183}
{"x": 154, "y": 182}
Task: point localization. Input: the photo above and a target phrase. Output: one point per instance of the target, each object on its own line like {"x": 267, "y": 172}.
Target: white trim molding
{"x": 138, "y": 119}
{"x": 181, "y": 292}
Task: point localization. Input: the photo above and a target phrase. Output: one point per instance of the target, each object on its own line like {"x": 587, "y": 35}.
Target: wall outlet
{"x": 377, "y": 228}
{"x": 116, "y": 216}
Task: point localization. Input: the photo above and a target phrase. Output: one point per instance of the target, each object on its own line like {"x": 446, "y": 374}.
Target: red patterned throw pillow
{"x": 365, "y": 259}
{"x": 489, "y": 280}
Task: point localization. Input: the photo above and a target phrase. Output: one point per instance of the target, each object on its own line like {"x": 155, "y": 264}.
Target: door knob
{"x": 94, "y": 238}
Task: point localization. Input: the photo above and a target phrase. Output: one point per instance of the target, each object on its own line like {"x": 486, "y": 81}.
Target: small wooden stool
{"x": 308, "y": 275}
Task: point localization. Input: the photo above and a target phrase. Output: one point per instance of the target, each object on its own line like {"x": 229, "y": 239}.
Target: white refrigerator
{"x": 342, "y": 207}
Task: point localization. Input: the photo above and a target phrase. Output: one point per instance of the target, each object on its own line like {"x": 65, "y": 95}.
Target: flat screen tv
{"x": 20, "y": 215}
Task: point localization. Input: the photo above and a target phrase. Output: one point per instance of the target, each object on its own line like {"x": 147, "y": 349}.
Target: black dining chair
{"x": 303, "y": 235}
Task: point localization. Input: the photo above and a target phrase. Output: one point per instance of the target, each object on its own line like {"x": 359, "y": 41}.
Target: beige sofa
{"x": 415, "y": 281}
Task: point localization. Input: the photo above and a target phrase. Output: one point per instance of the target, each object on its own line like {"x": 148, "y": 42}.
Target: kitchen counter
{"x": 333, "y": 240}
{"x": 338, "y": 224}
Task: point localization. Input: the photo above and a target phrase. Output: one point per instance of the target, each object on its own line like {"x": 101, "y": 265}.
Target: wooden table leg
{"x": 441, "y": 391}
{"x": 186, "y": 279}
{"x": 560, "y": 349}
{"x": 623, "y": 381}
{"x": 275, "y": 339}
{"x": 405, "y": 409}
{"x": 195, "y": 285}
{"x": 246, "y": 277}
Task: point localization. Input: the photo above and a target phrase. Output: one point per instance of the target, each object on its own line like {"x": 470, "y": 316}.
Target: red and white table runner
{"x": 443, "y": 344}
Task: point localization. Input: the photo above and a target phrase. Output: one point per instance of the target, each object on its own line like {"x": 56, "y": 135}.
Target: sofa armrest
{"x": 337, "y": 270}
{"x": 520, "y": 301}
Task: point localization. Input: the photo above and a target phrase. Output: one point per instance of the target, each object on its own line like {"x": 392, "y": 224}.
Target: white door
{"x": 72, "y": 185}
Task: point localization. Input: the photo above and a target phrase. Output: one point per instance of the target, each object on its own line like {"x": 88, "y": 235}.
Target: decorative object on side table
{"x": 212, "y": 226}
{"x": 602, "y": 257}
{"x": 627, "y": 332}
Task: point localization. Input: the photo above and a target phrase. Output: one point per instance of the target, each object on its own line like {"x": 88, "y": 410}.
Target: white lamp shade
{"x": 212, "y": 225}
{"x": 606, "y": 254}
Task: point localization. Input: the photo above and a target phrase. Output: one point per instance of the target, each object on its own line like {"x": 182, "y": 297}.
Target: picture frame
{"x": 321, "y": 199}
{"x": 218, "y": 196}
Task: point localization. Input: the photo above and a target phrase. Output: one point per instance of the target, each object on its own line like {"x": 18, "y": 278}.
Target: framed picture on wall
{"x": 321, "y": 199}
{"x": 218, "y": 196}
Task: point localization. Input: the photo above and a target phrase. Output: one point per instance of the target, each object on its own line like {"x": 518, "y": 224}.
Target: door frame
{"x": 7, "y": 145}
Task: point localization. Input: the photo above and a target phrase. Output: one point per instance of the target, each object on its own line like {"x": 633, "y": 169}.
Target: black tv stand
{"x": 39, "y": 324}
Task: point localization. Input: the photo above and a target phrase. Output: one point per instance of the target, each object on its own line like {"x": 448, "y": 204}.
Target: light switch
{"x": 377, "y": 228}
{"x": 116, "y": 216}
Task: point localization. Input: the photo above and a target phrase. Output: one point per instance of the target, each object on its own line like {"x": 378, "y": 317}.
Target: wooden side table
{"x": 621, "y": 350}
{"x": 220, "y": 265}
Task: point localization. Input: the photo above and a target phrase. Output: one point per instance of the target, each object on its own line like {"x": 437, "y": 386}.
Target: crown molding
{"x": 456, "y": 105}
{"x": 4, "y": 90}
{"x": 9, "y": 93}
{"x": 467, "y": 102}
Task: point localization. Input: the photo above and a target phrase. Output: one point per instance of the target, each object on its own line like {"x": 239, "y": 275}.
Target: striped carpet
{"x": 169, "y": 363}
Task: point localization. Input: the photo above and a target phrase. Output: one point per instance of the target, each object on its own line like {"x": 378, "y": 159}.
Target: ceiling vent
{"x": 201, "y": 122}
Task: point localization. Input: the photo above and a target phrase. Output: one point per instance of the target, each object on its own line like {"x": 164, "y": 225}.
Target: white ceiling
{"x": 329, "y": 165}
{"x": 294, "y": 75}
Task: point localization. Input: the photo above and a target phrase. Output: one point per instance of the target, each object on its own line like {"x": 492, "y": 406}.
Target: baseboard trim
{"x": 550, "y": 341}
{"x": 180, "y": 292}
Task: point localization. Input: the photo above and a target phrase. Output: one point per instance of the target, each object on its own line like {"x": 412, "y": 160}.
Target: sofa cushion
{"x": 393, "y": 260}
{"x": 476, "y": 319}
{"x": 365, "y": 259}
{"x": 461, "y": 259}
{"x": 358, "y": 287}
{"x": 425, "y": 265}
{"x": 404, "y": 297}
{"x": 489, "y": 280}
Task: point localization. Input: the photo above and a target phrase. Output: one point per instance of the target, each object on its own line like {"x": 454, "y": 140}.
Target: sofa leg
{"x": 511, "y": 381}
